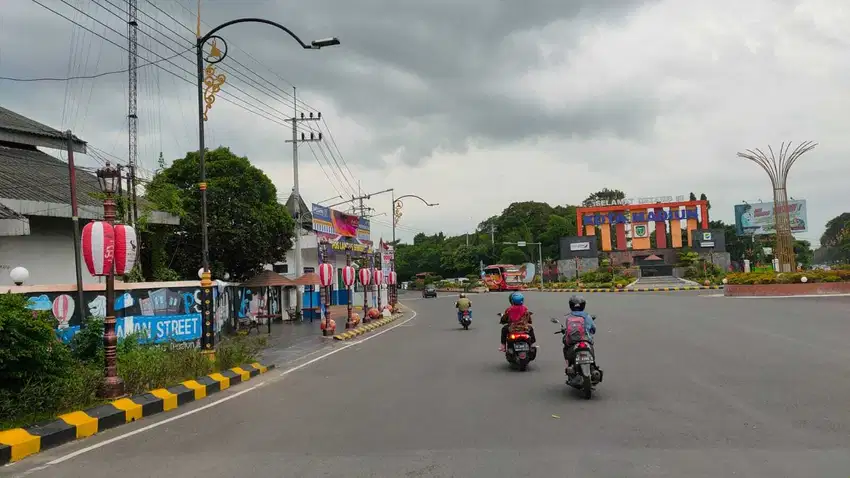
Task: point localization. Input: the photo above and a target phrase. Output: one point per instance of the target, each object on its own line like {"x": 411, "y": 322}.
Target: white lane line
{"x": 140, "y": 430}
{"x": 209, "y": 405}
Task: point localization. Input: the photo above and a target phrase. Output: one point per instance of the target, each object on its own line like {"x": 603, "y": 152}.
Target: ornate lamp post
{"x": 777, "y": 169}
{"x": 113, "y": 386}
{"x": 210, "y": 83}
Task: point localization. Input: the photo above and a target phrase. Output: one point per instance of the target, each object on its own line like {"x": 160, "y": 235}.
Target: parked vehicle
{"x": 429, "y": 291}
{"x": 502, "y": 277}
{"x": 582, "y": 371}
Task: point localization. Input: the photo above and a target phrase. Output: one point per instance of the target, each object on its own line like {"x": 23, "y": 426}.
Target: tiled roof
{"x": 32, "y": 175}
{"x": 10, "y": 120}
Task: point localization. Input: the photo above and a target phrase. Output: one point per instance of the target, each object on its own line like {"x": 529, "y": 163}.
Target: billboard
{"x": 342, "y": 230}
{"x": 579, "y": 246}
{"x": 759, "y": 219}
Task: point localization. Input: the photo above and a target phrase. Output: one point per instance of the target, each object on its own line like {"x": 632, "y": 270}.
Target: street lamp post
{"x": 539, "y": 254}
{"x": 208, "y": 85}
{"x": 113, "y": 386}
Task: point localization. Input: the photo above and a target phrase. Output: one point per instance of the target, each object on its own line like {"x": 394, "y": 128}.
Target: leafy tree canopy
{"x": 528, "y": 221}
{"x": 247, "y": 226}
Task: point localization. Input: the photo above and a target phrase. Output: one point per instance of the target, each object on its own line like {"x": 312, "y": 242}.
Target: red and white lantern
{"x": 98, "y": 244}
{"x": 126, "y": 248}
{"x": 326, "y": 274}
{"x": 379, "y": 277}
{"x": 348, "y": 276}
{"x": 391, "y": 279}
{"x": 365, "y": 276}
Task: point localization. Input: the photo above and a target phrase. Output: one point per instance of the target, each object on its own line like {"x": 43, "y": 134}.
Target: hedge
{"x": 752, "y": 278}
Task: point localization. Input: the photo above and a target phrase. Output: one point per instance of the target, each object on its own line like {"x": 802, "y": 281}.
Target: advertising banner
{"x": 759, "y": 219}
{"x": 343, "y": 231}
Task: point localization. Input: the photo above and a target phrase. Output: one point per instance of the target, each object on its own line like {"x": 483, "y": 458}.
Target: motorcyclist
{"x": 462, "y": 305}
{"x": 577, "y": 306}
{"x": 517, "y": 318}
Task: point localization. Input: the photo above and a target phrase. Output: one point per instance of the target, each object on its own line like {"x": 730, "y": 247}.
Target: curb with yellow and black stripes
{"x": 364, "y": 328}
{"x": 640, "y": 289}
{"x": 19, "y": 443}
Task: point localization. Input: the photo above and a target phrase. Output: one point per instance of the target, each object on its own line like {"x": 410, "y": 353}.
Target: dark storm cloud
{"x": 458, "y": 55}
{"x": 421, "y": 76}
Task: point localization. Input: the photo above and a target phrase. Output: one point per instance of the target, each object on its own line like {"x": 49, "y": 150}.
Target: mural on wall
{"x": 158, "y": 315}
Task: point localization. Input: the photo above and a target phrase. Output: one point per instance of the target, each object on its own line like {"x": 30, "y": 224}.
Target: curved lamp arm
{"x": 314, "y": 46}
{"x": 417, "y": 197}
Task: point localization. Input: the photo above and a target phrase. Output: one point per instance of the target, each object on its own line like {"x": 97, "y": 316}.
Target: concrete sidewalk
{"x": 291, "y": 340}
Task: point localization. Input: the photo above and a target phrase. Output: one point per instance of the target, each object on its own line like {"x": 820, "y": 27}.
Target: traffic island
{"x": 368, "y": 327}
{"x": 19, "y": 443}
{"x": 787, "y": 284}
{"x": 640, "y": 289}
{"x": 788, "y": 290}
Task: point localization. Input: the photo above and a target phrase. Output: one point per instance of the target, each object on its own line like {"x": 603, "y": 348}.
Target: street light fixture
{"x": 113, "y": 387}
{"x": 325, "y": 42}
{"x": 397, "y": 205}
{"x": 208, "y": 86}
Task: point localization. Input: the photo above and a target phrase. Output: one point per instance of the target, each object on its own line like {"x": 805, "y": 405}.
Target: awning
{"x": 310, "y": 278}
{"x": 267, "y": 279}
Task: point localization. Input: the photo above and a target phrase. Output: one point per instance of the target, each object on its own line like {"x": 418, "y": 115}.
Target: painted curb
{"x": 19, "y": 443}
{"x": 640, "y": 289}
{"x": 364, "y": 328}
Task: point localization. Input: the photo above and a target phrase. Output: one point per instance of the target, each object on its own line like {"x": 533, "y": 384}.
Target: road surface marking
{"x": 136, "y": 432}
{"x": 209, "y": 405}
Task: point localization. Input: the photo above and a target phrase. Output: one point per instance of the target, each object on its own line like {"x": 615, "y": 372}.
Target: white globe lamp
{"x": 201, "y": 273}
{"x": 804, "y": 279}
{"x": 725, "y": 281}
{"x": 19, "y": 275}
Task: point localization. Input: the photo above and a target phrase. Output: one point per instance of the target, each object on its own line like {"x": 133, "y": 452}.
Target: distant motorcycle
{"x": 582, "y": 372}
{"x": 465, "y": 319}
{"x": 519, "y": 350}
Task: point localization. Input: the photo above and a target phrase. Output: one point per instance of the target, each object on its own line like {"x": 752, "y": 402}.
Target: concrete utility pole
{"x": 295, "y": 190}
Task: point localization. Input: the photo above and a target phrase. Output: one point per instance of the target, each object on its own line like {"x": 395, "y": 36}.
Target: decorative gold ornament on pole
{"x": 213, "y": 81}
{"x": 777, "y": 169}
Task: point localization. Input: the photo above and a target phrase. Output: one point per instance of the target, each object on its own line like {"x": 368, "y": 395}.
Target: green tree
{"x": 247, "y": 226}
{"x": 512, "y": 255}
{"x": 607, "y": 195}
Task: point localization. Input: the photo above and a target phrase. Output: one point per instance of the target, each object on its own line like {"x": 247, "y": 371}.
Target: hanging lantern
{"x": 391, "y": 279}
{"x": 365, "y": 276}
{"x": 98, "y": 244}
{"x": 326, "y": 274}
{"x": 379, "y": 277}
{"x": 126, "y": 248}
{"x": 348, "y": 276}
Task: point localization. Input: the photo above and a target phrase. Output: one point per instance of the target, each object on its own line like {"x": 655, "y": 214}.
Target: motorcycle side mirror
{"x": 554, "y": 320}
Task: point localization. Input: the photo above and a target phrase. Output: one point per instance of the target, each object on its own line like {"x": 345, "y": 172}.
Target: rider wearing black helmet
{"x": 577, "y": 306}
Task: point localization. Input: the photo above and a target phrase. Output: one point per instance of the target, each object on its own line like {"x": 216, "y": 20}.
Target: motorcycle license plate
{"x": 584, "y": 357}
{"x": 520, "y": 346}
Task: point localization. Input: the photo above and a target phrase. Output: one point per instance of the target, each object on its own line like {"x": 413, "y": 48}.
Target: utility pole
{"x": 132, "y": 117}
{"x": 295, "y": 190}
{"x": 75, "y": 217}
{"x": 492, "y": 234}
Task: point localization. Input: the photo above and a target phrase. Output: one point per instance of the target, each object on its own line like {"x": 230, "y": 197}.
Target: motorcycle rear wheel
{"x": 587, "y": 388}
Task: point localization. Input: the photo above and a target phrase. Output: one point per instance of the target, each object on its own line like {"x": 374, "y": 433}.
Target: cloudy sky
{"x": 471, "y": 104}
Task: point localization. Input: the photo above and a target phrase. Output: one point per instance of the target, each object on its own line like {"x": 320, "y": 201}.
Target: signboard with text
{"x": 758, "y": 219}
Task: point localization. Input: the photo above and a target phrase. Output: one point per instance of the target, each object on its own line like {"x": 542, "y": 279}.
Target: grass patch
{"x": 40, "y": 377}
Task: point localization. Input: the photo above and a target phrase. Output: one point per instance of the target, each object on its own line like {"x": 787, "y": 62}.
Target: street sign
{"x": 521, "y": 243}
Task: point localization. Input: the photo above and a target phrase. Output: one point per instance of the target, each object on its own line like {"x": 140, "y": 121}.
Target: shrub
{"x": 753, "y": 278}
{"x": 235, "y": 351}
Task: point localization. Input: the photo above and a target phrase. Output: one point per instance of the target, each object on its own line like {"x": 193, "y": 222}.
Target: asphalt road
{"x": 695, "y": 386}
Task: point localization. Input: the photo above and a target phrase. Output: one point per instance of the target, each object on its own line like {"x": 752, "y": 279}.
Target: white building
{"x": 35, "y": 203}
{"x": 310, "y": 259}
